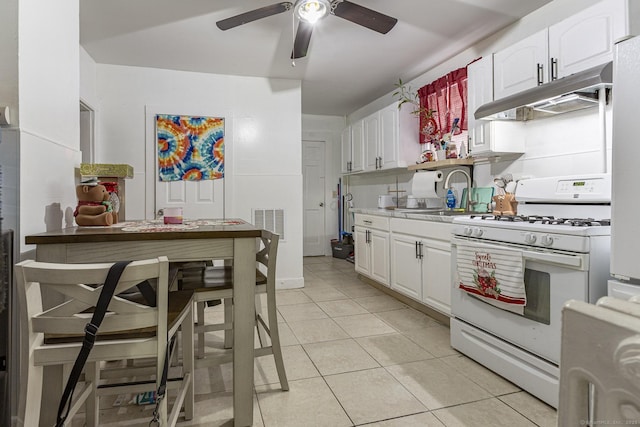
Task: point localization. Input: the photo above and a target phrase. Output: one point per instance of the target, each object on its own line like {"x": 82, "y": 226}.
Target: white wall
{"x": 262, "y": 141}
{"x": 48, "y": 112}
{"x": 327, "y": 129}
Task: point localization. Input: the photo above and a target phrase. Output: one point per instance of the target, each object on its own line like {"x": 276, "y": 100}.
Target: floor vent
{"x": 270, "y": 219}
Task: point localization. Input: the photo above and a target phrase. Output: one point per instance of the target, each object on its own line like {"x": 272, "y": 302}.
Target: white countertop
{"x": 408, "y": 214}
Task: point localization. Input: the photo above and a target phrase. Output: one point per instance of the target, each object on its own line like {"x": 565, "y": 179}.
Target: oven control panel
{"x": 592, "y": 188}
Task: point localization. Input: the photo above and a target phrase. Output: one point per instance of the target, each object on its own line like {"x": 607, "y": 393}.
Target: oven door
{"x": 551, "y": 278}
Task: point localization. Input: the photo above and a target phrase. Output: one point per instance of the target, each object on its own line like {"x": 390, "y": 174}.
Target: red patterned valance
{"x": 447, "y": 97}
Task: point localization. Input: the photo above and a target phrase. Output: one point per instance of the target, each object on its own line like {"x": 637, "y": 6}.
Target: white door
{"x": 313, "y": 165}
{"x": 198, "y": 199}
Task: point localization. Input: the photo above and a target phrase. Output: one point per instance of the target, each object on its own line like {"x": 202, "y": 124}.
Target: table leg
{"x": 243, "y": 324}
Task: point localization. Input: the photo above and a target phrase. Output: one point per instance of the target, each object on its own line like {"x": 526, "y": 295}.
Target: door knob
{"x": 160, "y": 212}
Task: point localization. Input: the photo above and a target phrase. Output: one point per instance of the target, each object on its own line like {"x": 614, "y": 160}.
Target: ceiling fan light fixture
{"x": 312, "y": 10}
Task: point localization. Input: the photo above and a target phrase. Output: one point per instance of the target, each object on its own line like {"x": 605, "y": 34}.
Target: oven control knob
{"x": 477, "y": 232}
{"x": 467, "y": 231}
{"x": 546, "y": 240}
{"x": 530, "y": 238}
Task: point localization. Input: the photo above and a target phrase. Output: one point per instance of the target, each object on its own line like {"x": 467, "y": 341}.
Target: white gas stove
{"x": 562, "y": 239}
{"x": 557, "y": 213}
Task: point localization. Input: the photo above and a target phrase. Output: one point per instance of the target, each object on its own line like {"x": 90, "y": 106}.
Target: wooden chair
{"x": 130, "y": 330}
{"x": 216, "y": 283}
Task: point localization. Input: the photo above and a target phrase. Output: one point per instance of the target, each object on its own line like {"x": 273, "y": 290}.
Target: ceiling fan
{"x": 310, "y": 11}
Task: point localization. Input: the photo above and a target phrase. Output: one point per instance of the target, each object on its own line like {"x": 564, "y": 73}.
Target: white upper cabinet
{"x": 345, "y": 139}
{"x": 479, "y": 92}
{"x": 488, "y": 138}
{"x": 577, "y": 43}
{"x": 521, "y": 66}
{"x": 353, "y": 148}
{"x": 372, "y": 142}
{"x": 390, "y": 132}
{"x": 391, "y": 139}
{"x": 586, "y": 39}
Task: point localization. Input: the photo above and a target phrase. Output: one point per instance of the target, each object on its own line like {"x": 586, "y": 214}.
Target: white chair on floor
{"x": 131, "y": 329}
{"x": 216, "y": 283}
{"x": 600, "y": 363}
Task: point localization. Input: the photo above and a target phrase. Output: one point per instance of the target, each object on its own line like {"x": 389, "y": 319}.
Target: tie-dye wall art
{"x": 190, "y": 148}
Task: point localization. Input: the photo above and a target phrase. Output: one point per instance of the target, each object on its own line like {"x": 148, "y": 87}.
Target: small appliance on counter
{"x": 386, "y": 201}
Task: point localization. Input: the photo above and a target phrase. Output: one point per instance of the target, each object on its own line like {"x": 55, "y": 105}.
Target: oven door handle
{"x": 553, "y": 258}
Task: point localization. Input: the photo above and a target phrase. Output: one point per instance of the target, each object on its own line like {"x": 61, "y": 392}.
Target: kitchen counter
{"x": 421, "y": 214}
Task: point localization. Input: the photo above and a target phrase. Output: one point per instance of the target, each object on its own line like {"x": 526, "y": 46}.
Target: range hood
{"x": 570, "y": 93}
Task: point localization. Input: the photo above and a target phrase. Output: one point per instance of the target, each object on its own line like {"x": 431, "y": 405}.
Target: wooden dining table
{"x": 194, "y": 240}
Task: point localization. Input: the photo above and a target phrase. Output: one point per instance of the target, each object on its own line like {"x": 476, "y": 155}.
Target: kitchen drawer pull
{"x": 540, "y": 76}
{"x": 367, "y": 221}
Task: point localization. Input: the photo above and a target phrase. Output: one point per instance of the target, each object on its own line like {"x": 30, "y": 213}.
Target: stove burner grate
{"x": 545, "y": 219}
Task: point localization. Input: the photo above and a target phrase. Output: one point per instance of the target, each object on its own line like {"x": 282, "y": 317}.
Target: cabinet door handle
{"x": 417, "y": 255}
{"x": 420, "y": 247}
{"x": 368, "y": 236}
{"x": 540, "y": 76}
{"x": 554, "y": 68}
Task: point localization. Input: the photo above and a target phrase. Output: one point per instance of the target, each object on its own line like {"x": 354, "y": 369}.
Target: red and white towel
{"x": 493, "y": 275}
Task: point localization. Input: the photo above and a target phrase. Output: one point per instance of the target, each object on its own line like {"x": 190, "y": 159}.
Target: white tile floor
{"x": 355, "y": 356}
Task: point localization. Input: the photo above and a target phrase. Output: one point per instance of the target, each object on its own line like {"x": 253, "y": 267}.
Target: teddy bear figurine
{"x": 94, "y": 207}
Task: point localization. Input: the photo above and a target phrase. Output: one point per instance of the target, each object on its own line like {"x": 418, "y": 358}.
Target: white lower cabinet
{"x": 406, "y": 265}
{"x": 372, "y": 247}
{"x": 420, "y": 261}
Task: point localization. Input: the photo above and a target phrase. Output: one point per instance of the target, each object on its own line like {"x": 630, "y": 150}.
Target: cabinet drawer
{"x": 372, "y": 221}
{"x": 428, "y": 229}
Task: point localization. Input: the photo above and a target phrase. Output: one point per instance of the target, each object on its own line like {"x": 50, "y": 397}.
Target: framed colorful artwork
{"x": 190, "y": 148}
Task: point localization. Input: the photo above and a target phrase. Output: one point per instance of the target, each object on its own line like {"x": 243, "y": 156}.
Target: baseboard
{"x": 442, "y": 318}
{"x": 290, "y": 283}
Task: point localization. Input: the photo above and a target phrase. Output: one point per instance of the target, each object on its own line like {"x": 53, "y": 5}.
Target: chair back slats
{"x": 267, "y": 256}
{"x": 71, "y": 316}
{"x": 111, "y": 323}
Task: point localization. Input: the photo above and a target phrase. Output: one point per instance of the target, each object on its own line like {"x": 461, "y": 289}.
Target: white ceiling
{"x": 347, "y": 67}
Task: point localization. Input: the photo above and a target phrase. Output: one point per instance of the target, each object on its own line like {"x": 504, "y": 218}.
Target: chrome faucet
{"x": 466, "y": 174}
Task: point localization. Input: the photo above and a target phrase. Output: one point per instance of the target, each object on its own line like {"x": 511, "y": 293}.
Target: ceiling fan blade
{"x": 366, "y": 17}
{"x": 301, "y": 43}
{"x": 254, "y": 15}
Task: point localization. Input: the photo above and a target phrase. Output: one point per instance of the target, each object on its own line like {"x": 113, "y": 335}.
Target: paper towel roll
{"x": 423, "y": 184}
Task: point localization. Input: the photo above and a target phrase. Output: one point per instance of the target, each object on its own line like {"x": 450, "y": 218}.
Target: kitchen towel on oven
{"x": 493, "y": 275}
